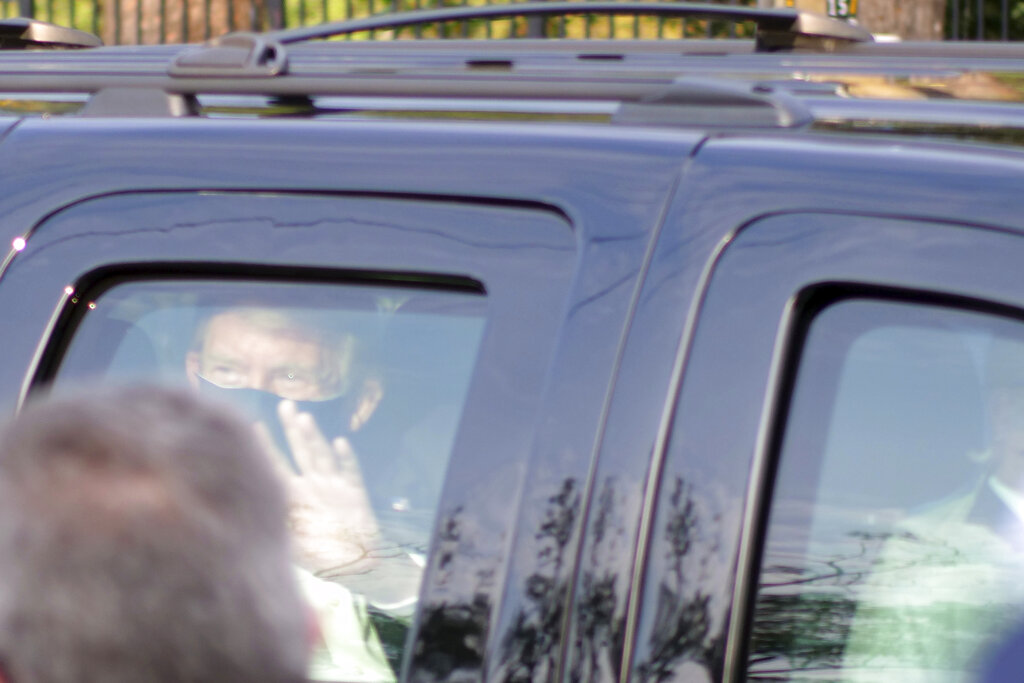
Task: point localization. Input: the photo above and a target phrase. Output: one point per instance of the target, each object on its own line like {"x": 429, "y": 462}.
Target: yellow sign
{"x": 834, "y": 8}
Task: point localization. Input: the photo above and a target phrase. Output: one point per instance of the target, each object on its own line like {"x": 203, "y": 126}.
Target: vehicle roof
{"x": 830, "y": 75}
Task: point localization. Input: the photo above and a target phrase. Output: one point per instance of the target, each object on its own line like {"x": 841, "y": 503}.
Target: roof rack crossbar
{"x": 776, "y": 28}
{"x": 712, "y": 103}
{"x": 238, "y": 55}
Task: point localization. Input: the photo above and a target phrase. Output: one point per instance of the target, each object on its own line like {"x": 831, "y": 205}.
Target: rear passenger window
{"x": 895, "y": 540}
{"x": 357, "y": 391}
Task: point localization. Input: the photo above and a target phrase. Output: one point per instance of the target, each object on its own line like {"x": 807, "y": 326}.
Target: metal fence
{"x": 984, "y": 20}
{"x": 172, "y": 21}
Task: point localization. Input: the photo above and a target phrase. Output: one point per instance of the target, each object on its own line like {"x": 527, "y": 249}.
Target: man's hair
{"x": 143, "y": 538}
{"x": 338, "y": 347}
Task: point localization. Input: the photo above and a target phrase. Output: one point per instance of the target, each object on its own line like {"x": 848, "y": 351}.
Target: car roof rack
{"x": 21, "y": 33}
{"x": 647, "y": 101}
{"x": 777, "y": 29}
{"x": 628, "y": 82}
{"x": 259, "y": 55}
{"x": 714, "y": 103}
{"x": 236, "y": 55}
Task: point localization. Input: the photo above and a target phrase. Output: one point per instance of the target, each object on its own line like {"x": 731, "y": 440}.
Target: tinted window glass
{"x": 382, "y": 373}
{"x": 896, "y": 530}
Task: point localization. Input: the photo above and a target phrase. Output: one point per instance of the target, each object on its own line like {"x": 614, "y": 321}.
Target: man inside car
{"x": 948, "y": 582}
{"x": 300, "y": 385}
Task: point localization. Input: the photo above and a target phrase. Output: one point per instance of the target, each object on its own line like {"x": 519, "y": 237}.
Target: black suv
{"x": 690, "y": 360}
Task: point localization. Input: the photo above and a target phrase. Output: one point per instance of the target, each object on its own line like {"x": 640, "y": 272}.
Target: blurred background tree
{"x": 155, "y": 21}
{"x": 988, "y": 19}
{"x": 908, "y": 19}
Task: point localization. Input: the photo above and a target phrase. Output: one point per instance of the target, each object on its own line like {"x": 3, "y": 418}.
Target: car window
{"x": 357, "y": 391}
{"x": 896, "y": 526}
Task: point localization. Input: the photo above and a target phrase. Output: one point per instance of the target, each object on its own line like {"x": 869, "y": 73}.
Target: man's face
{"x": 1007, "y": 406}
{"x": 242, "y": 351}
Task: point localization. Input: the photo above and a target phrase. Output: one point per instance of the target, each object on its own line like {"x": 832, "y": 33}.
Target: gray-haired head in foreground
{"x": 143, "y": 538}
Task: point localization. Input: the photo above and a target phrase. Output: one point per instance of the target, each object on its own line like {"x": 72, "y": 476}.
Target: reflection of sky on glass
{"x": 154, "y": 323}
{"x": 885, "y": 414}
{"x": 420, "y": 344}
{"x": 908, "y": 410}
{"x": 889, "y": 407}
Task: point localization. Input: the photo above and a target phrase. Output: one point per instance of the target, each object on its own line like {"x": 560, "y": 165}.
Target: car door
{"x": 401, "y": 302}
{"x": 397, "y": 234}
{"x": 830, "y": 446}
{"x": 890, "y": 251}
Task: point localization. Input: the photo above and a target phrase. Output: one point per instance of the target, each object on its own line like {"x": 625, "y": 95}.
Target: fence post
{"x": 26, "y": 8}
{"x": 536, "y": 27}
{"x": 275, "y": 14}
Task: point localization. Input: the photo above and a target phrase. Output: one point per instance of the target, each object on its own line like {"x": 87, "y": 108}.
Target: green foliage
{"x": 962, "y": 20}
{"x": 90, "y": 15}
{"x": 578, "y": 26}
{"x": 81, "y": 14}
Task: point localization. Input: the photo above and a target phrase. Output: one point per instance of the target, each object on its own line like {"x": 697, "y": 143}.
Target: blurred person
{"x": 303, "y": 389}
{"x": 143, "y": 538}
{"x": 1005, "y": 662}
{"x": 949, "y": 582}
{"x": 282, "y": 373}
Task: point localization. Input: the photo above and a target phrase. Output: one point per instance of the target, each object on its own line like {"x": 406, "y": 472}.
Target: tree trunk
{"x": 907, "y": 19}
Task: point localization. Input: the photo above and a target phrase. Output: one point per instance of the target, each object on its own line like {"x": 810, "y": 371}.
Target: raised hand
{"x": 334, "y": 527}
